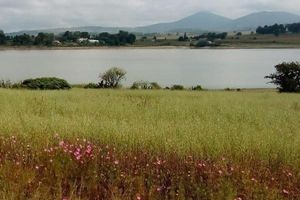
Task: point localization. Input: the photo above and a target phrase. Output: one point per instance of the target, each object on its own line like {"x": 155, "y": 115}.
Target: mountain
{"x": 263, "y": 18}
{"x": 204, "y": 21}
{"x": 199, "y": 22}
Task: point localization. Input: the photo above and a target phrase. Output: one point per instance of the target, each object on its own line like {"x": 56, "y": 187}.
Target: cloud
{"x": 35, "y": 14}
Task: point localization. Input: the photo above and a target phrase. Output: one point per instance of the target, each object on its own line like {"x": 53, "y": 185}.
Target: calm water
{"x": 210, "y": 68}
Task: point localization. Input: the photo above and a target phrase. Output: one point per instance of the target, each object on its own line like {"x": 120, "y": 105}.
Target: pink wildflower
{"x": 254, "y": 180}
{"x": 61, "y": 143}
{"x": 89, "y": 149}
{"x": 285, "y": 191}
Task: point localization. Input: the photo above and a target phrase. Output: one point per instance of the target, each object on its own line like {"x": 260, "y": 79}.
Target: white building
{"x": 82, "y": 40}
{"x": 94, "y": 41}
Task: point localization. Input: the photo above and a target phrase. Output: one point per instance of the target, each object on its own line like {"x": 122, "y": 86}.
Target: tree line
{"x": 278, "y": 29}
{"x": 68, "y": 37}
{"x": 211, "y": 36}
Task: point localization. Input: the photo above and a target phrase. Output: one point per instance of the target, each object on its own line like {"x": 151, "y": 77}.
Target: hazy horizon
{"x": 16, "y": 15}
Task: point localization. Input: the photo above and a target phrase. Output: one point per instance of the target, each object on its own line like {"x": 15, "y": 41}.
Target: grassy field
{"x": 122, "y": 144}
{"x": 247, "y": 40}
{"x": 263, "y": 41}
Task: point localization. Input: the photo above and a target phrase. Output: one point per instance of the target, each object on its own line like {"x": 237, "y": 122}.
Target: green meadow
{"x": 257, "y": 130}
{"x": 236, "y": 124}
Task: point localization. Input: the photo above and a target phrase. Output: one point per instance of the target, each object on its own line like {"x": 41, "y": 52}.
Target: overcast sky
{"x": 36, "y": 14}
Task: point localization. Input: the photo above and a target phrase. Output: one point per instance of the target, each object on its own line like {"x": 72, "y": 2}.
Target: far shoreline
{"x": 8, "y": 48}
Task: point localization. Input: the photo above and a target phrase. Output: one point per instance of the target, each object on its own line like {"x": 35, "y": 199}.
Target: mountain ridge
{"x": 200, "y": 21}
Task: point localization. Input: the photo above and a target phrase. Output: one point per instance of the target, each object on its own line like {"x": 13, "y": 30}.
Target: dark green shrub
{"x": 92, "y": 86}
{"x": 16, "y": 86}
{"x": 287, "y": 77}
{"x": 155, "y": 86}
{"x": 145, "y": 85}
{"x": 202, "y": 43}
{"x": 10, "y": 84}
{"x": 134, "y": 86}
{"x": 197, "y": 88}
{"x": 46, "y": 83}
{"x": 5, "y": 84}
{"x": 177, "y": 87}
{"x": 140, "y": 85}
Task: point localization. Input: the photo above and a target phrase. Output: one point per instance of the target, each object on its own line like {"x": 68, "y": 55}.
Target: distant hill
{"x": 254, "y": 20}
{"x": 204, "y": 21}
{"x": 90, "y": 29}
{"x": 201, "y": 21}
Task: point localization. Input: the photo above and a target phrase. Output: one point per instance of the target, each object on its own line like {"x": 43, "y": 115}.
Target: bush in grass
{"x": 287, "y": 77}
{"x": 202, "y": 43}
{"x": 145, "y": 85}
{"x": 92, "y": 86}
{"x": 5, "y": 84}
{"x": 17, "y": 85}
{"x": 155, "y": 86}
{"x": 177, "y": 87}
{"x": 46, "y": 83}
{"x": 197, "y": 88}
{"x": 10, "y": 84}
{"x": 112, "y": 77}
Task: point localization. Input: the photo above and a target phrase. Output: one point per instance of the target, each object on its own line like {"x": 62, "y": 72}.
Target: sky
{"x": 18, "y": 15}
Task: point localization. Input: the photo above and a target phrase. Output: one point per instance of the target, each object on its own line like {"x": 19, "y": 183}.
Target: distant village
{"x": 68, "y": 38}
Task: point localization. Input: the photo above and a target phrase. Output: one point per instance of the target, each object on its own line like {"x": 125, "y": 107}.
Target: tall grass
{"x": 245, "y": 128}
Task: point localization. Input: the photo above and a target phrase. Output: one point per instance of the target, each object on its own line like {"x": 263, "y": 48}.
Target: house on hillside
{"x": 87, "y": 40}
{"x": 80, "y": 40}
{"x": 93, "y": 41}
{"x": 56, "y": 43}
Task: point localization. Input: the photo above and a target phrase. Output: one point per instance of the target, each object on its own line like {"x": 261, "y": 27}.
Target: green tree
{"x": 24, "y": 39}
{"x": 293, "y": 28}
{"x": 67, "y": 37}
{"x": 131, "y": 38}
{"x": 84, "y": 35}
{"x": 121, "y": 38}
{"x": 2, "y": 38}
{"x": 287, "y": 77}
{"x": 44, "y": 39}
{"x": 112, "y": 77}
{"x": 275, "y": 29}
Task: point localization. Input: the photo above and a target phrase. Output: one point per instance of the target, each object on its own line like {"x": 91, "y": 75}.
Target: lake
{"x": 211, "y": 68}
